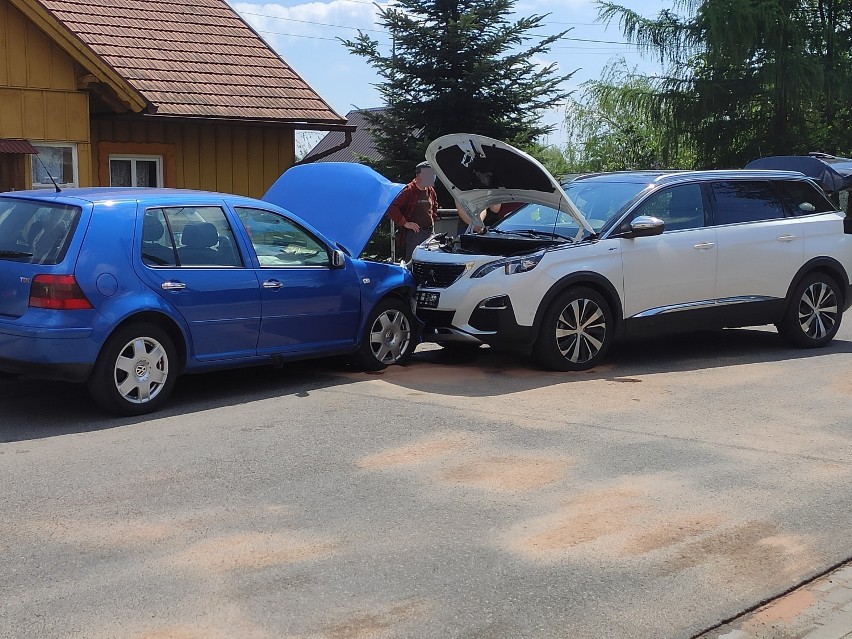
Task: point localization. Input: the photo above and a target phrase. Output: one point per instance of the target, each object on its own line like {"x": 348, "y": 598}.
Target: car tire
{"x": 135, "y": 371}
{"x": 575, "y": 332}
{"x": 814, "y": 312}
{"x": 389, "y": 336}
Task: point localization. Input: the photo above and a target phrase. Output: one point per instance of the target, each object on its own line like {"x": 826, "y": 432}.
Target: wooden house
{"x": 176, "y": 93}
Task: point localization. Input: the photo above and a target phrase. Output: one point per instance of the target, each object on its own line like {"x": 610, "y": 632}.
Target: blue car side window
{"x": 188, "y": 236}
{"x": 279, "y": 241}
{"x": 157, "y": 245}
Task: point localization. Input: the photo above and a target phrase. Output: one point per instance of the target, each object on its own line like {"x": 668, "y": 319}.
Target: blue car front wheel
{"x": 388, "y": 337}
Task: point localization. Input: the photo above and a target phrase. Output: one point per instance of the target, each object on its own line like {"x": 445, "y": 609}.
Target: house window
{"x": 57, "y": 161}
{"x": 135, "y": 170}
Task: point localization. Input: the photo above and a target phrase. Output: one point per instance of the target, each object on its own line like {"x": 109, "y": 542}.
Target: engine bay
{"x": 494, "y": 243}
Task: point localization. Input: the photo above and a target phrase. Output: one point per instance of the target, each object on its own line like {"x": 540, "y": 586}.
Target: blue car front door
{"x": 307, "y": 305}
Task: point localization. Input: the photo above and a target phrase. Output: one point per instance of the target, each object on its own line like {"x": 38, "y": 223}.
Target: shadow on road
{"x": 36, "y": 409}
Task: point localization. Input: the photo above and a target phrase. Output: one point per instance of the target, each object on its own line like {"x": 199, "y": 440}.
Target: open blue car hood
{"x": 831, "y": 173}
{"x": 343, "y": 200}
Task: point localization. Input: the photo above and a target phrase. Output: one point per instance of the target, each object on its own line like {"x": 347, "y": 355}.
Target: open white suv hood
{"x": 480, "y": 171}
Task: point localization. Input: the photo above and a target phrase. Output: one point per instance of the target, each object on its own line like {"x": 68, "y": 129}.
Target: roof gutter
{"x": 301, "y": 125}
{"x": 347, "y": 140}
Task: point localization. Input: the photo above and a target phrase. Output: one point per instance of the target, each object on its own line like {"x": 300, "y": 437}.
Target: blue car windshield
{"x": 599, "y": 202}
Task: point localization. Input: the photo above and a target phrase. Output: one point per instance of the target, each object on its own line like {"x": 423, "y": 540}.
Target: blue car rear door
{"x": 190, "y": 257}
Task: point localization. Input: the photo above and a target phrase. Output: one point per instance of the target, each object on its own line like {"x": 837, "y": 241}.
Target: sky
{"x": 305, "y": 35}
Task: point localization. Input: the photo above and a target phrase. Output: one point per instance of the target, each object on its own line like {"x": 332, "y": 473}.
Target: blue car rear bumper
{"x": 63, "y": 353}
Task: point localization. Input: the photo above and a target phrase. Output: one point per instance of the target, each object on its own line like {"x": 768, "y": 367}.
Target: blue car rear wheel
{"x": 135, "y": 371}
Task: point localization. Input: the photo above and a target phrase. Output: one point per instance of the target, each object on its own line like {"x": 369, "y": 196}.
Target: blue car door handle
{"x": 172, "y": 285}
{"x": 273, "y": 284}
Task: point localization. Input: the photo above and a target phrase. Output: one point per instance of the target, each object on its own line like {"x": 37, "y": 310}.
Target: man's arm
{"x": 400, "y": 205}
{"x": 467, "y": 219}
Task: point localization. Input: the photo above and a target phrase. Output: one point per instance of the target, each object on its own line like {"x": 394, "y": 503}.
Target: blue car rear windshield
{"x": 36, "y": 232}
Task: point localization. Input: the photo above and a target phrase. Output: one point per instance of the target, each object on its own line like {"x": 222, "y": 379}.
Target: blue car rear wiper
{"x": 5, "y": 253}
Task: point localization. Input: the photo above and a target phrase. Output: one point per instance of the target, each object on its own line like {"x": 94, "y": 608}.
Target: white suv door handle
{"x": 273, "y": 284}
{"x": 786, "y": 238}
{"x": 172, "y": 285}
{"x": 704, "y": 245}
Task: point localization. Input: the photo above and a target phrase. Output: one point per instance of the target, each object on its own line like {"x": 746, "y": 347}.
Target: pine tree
{"x": 457, "y": 66}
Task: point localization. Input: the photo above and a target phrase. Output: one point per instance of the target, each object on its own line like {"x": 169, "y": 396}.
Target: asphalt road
{"x": 653, "y": 497}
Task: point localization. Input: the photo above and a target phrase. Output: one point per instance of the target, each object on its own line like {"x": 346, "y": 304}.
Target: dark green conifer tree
{"x": 457, "y": 66}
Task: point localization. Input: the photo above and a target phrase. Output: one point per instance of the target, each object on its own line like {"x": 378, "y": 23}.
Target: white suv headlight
{"x": 511, "y": 265}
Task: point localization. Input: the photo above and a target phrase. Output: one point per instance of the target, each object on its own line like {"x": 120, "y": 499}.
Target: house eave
{"x": 301, "y": 125}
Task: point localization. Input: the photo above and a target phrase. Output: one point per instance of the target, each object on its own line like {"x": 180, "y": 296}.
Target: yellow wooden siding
{"x": 256, "y": 179}
{"x": 84, "y": 165}
{"x": 39, "y": 100}
{"x": 16, "y": 47}
{"x": 40, "y": 115}
{"x": 230, "y": 158}
{"x": 4, "y": 46}
{"x": 38, "y": 59}
{"x": 28, "y": 58}
{"x": 11, "y": 113}
{"x": 34, "y": 115}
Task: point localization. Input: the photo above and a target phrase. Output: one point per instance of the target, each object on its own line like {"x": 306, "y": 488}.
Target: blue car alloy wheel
{"x": 136, "y": 370}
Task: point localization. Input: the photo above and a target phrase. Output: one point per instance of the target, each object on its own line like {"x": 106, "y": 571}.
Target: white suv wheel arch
{"x": 587, "y": 279}
{"x": 830, "y": 267}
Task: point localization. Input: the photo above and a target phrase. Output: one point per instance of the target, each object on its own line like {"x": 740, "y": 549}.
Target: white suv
{"x": 627, "y": 253}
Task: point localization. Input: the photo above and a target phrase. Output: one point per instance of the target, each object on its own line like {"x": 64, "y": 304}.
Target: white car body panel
{"x": 669, "y": 269}
{"x": 760, "y": 258}
{"x": 824, "y": 236}
{"x": 489, "y": 186}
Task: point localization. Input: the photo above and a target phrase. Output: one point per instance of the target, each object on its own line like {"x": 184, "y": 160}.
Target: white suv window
{"x": 680, "y": 207}
{"x": 804, "y": 198}
{"x": 746, "y": 201}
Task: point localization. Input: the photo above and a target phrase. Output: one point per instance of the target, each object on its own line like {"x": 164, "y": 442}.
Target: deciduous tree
{"x": 747, "y": 78}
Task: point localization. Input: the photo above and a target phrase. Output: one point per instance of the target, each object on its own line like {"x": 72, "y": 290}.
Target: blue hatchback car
{"x": 125, "y": 289}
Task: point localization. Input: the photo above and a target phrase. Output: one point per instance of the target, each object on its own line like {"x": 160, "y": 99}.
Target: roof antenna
{"x": 46, "y": 170}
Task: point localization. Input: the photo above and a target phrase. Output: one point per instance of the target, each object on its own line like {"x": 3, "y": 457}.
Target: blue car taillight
{"x": 60, "y": 292}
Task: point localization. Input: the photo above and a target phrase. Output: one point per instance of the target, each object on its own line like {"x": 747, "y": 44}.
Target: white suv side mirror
{"x": 642, "y": 226}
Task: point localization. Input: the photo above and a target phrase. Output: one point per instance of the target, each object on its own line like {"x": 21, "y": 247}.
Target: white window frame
{"x": 133, "y": 158}
{"x": 75, "y": 167}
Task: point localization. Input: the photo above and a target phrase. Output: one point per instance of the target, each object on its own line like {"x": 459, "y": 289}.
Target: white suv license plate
{"x": 427, "y": 299}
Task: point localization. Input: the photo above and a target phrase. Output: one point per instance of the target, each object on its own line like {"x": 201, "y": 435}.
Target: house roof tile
{"x": 192, "y": 58}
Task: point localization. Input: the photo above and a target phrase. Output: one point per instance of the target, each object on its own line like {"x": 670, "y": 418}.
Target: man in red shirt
{"x": 415, "y": 210}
